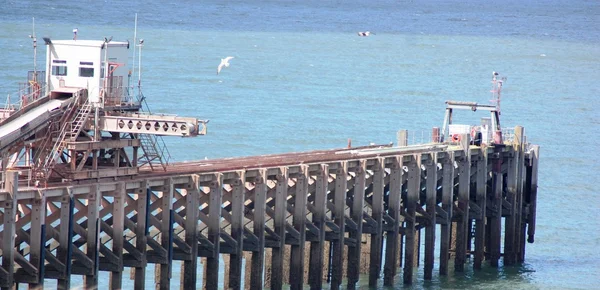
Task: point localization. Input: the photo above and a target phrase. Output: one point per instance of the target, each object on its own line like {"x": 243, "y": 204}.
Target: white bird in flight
{"x": 366, "y": 33}
{"x": 224, "y": 63}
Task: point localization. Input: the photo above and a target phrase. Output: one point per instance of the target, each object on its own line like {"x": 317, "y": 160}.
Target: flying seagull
{"x": 366, "y": 33}
{"x": 224, "y": 63}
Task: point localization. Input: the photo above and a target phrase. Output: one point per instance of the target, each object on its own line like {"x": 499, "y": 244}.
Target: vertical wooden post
{"x": 315, "y": 270}
{"x": 281, "y": 194}
{"x": 166, "y": 233}
{"x": 8, "y": 232}
{"x": 464, "y": 187}
{"x": 377, "y": 215}
{"x": 447, "y": 204}
{"x": 141, "y": 233}
{"x": 533, "y": 194}
{"x": 192, "y": 198}
{"x": 496, "y": 220}
{"x": 519, "y": 243}
{"x": 356, "y": 213}
{"x": 93, "y": 235}
{"x": 481, "y": 187}
{"x": 510, "y": 225}
{"x": 118, "y": 218}
{"x": 258, "y": 257}
{"x": 414, "y": 188}
{"x": 431, "y": 204}
{"x": 214, "y": 231}
{"x": 341, "y": 187}
{"x": 299, "y": 222}
{"x": 237, "y": 230}
{"x": 38, "y": 239}
{"x": 393, "y": 236}
{"x": 64, "y": 251}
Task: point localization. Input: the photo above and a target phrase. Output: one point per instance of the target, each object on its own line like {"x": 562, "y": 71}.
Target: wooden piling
{"x": 481, "y": 197}
{"x": 339, "y": 216}
{"x": 393, "y": 235}
{"x": 118, "y": 220}
{"x": 533, "y": 186}
{"x": 258, "y": 257}
{"x": 299, "y": 223}
{"x": 237, "y": 231}
{"x": 431, "y": 204}
{"x": 496, "y": 216}
{"x": 414, "y": 189}
{"x": 279, "y": 228}
{"x": 356, "y": 213}
{"x": 377, "y": 215}
{"x": 316, "y": 261}
{"x": 464, "y": 187}
{"x": 214, "y": 232}
{"x": 446, "y": 210}
{"x": 190, "y": 266}
{"x": 141, "y": 234}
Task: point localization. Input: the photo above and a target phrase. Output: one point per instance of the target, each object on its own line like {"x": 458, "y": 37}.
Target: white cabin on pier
{"x": 82, "y": 64}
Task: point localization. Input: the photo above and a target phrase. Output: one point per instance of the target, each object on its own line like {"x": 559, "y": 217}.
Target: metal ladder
{"x": 154, "y": 147}
{"x": 68, "y": 132}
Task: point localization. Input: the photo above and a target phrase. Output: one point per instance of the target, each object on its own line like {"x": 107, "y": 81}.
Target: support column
{"x": 377, "y": 215}
{"x": 93, "y": 235}
{"x": 64, "y": 251}
{"x": 447, "y": 204}
{"x": 38, "y": 239}
{"x": 237, "y": 231}
{"x": 118, "y": 218}
{"x": 480, "y": 227}
{"x": 192, "y": 198}
{"x": 8, "y": 232}
{"x": 520, "y": 227}
{"x": 258, "y": 257}
{"x": 393, "y": 236}
{"x": 315, "y": 270}
{"x": 414, "y": 188}
{"x": 431, "y": 204}
{"x": 464, "y": 187}
{"x": 356, "y": 213}
{"x": 214, "y": 231}
{"x": 141, "y": 233}
{"x": 339, "y": 201}
{"x": 299, "y": 223}
{"x": 281, "y": 194}
{"x": 496, "y": 220}
{"x": 510, "y": 224}
{"x": 535, "y": 154}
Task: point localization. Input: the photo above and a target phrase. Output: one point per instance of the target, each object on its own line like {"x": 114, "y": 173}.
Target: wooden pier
{"x": 294, "y": 218}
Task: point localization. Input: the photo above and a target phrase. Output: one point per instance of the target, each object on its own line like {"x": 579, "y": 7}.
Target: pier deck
{"x": 298, "y": 217}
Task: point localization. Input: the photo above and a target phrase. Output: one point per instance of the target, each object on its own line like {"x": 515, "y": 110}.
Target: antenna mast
{"x": 134, "y": 45}
{"x": 32, "y": 36}
{"x": 497, "y": 90}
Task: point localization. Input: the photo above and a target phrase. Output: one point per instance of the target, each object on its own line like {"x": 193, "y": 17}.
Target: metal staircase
{"x": 68, "y": 133}
{"x": 154, "y": 147}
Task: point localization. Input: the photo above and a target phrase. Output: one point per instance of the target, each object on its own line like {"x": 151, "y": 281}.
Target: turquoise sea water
{"x": 302, "y": 79}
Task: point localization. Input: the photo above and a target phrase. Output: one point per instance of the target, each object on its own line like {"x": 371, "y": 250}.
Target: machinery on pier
{"x": 81, "y": 119}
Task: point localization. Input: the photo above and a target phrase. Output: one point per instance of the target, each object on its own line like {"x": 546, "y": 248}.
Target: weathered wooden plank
{"x": 118, "y": 220}
{"x": 258, "y": 257}
{"x": 356, "y": 213}
{"x": 93, "y": 236}
{"x": 377, "y": 214}
{"x": 9, "y": 229}
{"x": 237, "y": 230}
{"x": 281, "y": 193}
{"x": 481, "y": 187}
{"x": 392, "y": 237}
{"x": 412, "y": 197}
{"x": 339, "y": 216}
{"x": 315, "y": 271}
{"x": 214, "y": 229}
{"x": 447, "y": 205}
{"x": 431, "y": 204}
{"x": 298, "y": 220}
{"x": 190, "y": 267}
{"x": 141, "y": 232}
{"x": 464, "y": 187}
{"x": 64, "y": 251}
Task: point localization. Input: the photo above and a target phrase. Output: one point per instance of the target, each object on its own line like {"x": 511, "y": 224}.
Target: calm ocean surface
{"x": 302, "y": 80}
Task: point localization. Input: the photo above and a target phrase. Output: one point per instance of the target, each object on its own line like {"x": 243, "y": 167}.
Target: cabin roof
{"x": 89, "y": 43}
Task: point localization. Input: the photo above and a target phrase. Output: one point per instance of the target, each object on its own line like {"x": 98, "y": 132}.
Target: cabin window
{"x": 86, "y": 69}
{"x": 59, "y": 67}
